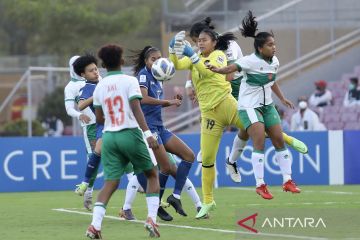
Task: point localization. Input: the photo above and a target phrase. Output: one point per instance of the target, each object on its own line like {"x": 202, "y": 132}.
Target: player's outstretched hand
{"x": 212, "y": 68}
{"x": 84, "y": 118}
{"x": 153, "y": 143}
{"x": 176, "y": 102}
{"x": 288, "y": 103}
{"x": 178, "y": 96}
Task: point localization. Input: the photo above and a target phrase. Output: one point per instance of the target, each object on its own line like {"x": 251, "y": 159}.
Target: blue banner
{"x": 312, "y": 168}
{"x": 51, "y": 164}
{"x": 351, "y": 157}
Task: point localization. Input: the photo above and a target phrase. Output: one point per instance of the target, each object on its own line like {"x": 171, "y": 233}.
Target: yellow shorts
{"x": 213, "y": 123}
{"x": 225, "y": 114}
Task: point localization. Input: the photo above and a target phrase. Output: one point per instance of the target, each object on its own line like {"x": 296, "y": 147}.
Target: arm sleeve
{"x": 243, "y": 63}
{"x": 134, "y": 90}
{"x": 313, "y": 101}
{"x": 143, "y": 80}
{"x": 96, "y": 97}
{"x": 233, "y": 52}
{"x": 180, "y": 64}
{"x": 70, "y": 109}
{"x": 69, "y": 98}
{"x": 217, "y": 59}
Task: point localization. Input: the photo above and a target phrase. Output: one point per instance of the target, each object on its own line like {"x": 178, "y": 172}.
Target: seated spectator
{"x": 352, "y": 97}
{"x": 322, "y": 96}
{"x": 54, "y": 127}
{"x": 305, "y": 119}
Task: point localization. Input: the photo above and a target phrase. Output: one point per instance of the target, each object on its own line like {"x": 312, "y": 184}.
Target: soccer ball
{"x": 163, "y": 69}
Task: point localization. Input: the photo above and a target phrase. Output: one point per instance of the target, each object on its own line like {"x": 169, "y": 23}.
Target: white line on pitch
{"x": 300, "y": 203}
{"x": 305, "y": 191}
{"x": 197, "y": 228}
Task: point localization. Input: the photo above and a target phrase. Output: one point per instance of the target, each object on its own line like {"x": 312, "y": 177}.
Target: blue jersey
{"x": 152, "y": 112}
{"x": 87, "y": 92}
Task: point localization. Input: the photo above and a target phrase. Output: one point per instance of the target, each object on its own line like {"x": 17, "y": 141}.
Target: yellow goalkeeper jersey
{"x": 211, "y": 88}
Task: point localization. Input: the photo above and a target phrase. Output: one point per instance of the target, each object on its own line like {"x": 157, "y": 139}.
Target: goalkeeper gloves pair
{"x": 179, "y": 46}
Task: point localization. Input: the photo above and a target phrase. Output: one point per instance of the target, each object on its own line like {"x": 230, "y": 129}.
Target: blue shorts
{"x": 163, "y": 135}
{"x": 99, "y": 131}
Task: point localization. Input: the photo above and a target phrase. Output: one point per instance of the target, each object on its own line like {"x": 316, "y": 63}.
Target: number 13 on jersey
{"x": 117, "y": 116}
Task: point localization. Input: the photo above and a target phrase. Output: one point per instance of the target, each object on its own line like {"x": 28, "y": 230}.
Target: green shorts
{"x": 172, "y": 160}
{"x": 129, "y": 168}
{"x": 121, "y": 148}
{"x": 266, "y": 114}
{"x": 89, "y": 132}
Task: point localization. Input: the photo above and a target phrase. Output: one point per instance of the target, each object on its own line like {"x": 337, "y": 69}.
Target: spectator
{"x": 54, "y": 127}
{"x": 352, "y": 97}
{"x": 305, "y": 119}
{"x": 322, "y": 96}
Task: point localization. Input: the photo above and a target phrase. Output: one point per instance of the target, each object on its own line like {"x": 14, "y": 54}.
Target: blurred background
{"x": 318, "y": 45}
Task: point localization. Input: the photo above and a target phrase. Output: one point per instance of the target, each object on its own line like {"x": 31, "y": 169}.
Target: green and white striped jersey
{"x": 259, "y": 76}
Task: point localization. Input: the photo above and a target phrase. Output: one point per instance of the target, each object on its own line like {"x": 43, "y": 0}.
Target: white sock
{"x": 90, "y": 189}
{"x": 257, "y": 160}
{"x": 198, "y": 157}
{"x": 284, "y": 161}
{"x": 237, "y": 148}
{"x": 129, "y": 175}
{"x": 177, "y": 196}
{"x": 152, "y": 205}
{"x": 190, "y": 189}
{"x": 131, "y": 191}
{"x": 98, "y": 215}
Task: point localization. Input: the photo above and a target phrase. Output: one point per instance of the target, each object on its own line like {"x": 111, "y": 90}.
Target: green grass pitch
{"x": 32, "y": 216}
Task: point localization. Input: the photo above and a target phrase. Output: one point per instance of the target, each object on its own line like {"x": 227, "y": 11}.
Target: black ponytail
{"x": 249, "y": 25}
{"x": 222, "y": 40}
{"x": 198, "y": 27}
{"x": 249, "y": 28}
{"x": 140, "y": 57}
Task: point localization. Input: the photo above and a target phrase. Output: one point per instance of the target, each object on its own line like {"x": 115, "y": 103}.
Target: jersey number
{"x": 210, "y": 124}
{"x": 112, "y": 103}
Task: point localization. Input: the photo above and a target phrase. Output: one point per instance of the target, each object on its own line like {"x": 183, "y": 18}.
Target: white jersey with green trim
{"x": 71, "y": 94}
{"x": 113, "y": 94}
{"x": 259, "y": 76}
{"x": 232, "y": 54}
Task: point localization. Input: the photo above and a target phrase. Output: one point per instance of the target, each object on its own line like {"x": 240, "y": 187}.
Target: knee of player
{"x": 243, "y": 135}
{"x": 208, "y": 160}
{"x": 278, "y": 143}
{"x": 165, "y": 169}
{"x": 190, "y": 157}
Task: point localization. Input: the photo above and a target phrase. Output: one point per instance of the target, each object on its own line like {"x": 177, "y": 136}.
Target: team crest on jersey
{"x": 143, "y": 78}
{"x": 220, "y": 59}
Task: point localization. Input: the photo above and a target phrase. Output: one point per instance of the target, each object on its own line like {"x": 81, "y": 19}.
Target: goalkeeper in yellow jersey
{"x": 218, "y": 107}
